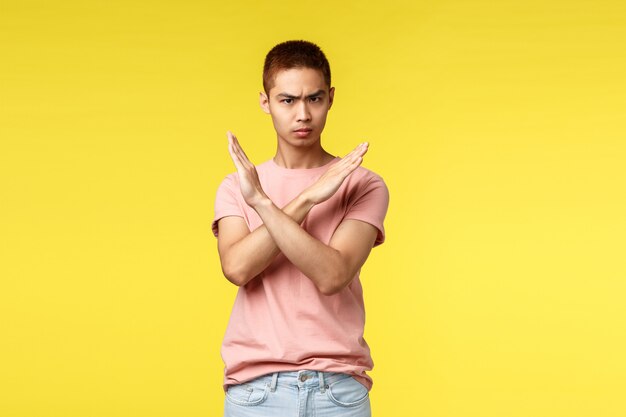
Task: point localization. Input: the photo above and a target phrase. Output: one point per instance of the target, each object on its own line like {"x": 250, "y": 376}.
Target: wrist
{"x": 261, "y": 202}
{"x": 305, "y": 200}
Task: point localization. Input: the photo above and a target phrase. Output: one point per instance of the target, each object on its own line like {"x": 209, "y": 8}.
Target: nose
{"x": 303, "y": 114}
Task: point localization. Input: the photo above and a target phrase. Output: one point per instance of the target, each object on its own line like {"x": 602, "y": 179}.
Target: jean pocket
{"x": 247, "y": 394}
{"x": 347, "y": 392}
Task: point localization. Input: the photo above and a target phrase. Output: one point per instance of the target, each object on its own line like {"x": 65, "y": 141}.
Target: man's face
{"x": 299, "y": 99}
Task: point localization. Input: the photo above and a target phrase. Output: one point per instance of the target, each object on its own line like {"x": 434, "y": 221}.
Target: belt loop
{"x": 274, "y": 378}
{"x": 321, "y": 378}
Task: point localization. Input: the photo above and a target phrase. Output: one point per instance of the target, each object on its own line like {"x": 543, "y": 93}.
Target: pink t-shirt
{"x": 280, "y": 321}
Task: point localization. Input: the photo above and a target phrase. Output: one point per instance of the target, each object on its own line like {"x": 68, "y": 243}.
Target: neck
{"x": 301, "y": 157}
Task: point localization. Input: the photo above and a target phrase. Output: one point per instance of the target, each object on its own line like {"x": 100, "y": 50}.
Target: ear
{"x": 264, "y": 102}
{"x": 331, "y": 95}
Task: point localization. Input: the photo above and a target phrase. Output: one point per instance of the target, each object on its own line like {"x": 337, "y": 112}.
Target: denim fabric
{"x": 303, "y": 393}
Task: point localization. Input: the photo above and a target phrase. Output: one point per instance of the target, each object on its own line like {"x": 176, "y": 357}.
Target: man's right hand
{"x": 328, "y": 184}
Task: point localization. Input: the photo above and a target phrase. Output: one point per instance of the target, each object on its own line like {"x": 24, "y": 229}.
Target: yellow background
{"x": 498, "y": 127}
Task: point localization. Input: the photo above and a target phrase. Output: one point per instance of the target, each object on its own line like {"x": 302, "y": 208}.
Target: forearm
{"x": 319, "y": 262}
{"x": 255, "y": 252}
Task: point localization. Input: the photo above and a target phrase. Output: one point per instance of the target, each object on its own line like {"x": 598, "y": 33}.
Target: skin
{"x": 245, "y": 254}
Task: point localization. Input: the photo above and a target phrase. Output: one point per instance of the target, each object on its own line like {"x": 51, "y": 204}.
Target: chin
{"x": 305, "y": 141}
{"x": 292, "y": 139}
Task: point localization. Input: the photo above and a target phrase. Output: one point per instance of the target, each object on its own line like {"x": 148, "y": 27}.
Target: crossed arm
{"x": 331, "y": 267}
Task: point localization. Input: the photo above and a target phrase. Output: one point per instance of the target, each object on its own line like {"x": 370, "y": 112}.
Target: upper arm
{"x": 362, "y": 227}
{"x": 369, "y": 204}
{"x": 231, "y": 230}
{"x": 354, "y": 240}
{"x": 228, "y": 224}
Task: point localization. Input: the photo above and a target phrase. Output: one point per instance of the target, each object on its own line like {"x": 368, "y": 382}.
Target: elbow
{"x": 338, "y": 276}
{"x": 234, "y": 273}
{"x": 232, "y": 277}
{"x": 334, "y": 285}
{"x": 329, "y": 290}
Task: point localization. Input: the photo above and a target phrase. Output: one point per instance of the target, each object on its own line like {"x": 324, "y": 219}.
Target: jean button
{"x": 303, "y": 377}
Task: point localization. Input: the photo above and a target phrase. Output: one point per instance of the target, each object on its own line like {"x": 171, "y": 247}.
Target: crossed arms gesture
{"x": 245, "y": 254}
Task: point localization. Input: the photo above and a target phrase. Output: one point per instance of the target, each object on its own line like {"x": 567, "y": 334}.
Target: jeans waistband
{"x": 303, "y": 378}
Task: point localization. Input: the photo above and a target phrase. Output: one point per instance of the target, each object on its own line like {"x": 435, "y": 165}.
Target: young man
{"x": 293, "y": 233}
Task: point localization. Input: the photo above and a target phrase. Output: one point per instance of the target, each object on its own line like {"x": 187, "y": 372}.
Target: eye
{"x": 286, "y": 100}
{"x": 316, "y": 98}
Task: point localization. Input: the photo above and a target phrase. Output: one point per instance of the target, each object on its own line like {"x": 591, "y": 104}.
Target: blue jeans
{"x": 303, "y": 393}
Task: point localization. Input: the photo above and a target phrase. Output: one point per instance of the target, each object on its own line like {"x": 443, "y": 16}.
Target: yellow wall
{"x": 498, "y": 126}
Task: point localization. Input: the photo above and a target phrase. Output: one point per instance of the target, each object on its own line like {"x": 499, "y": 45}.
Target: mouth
{"x": 302, "y": 133}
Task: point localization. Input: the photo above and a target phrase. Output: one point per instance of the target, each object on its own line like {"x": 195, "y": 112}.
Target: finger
{"x": 235, "y": 158}
{"x": 357, "y": 158}
{"x": 359, "y": 151}
{"x": 364, "y": 149}
{"x": 230, "y": 144}
{"x": 238, "y": 151}
{"x": 240, "y": 148}
{"x": 349, "y": 165}
{"x": 356, "y": 149}
{"x": 242, "y": 155}
{"x": 354, "y": 165}
{"x": 233, "y": 153}
{"x": 346, "y": 159}
{"x": 349, "y": 168}
{"x": 230, "y": 139}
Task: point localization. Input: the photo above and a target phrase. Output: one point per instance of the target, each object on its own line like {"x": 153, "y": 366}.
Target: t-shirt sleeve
{"x": 226, "y": 203}
{"x": 370, "y": 205}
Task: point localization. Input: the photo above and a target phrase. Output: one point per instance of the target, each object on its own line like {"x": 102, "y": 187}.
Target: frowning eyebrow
{"x": 317, "y": 93}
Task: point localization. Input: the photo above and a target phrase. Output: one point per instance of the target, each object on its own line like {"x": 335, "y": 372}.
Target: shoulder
{"x": 364, "y": 186}
{"x": 364, "y": 177}
{"x": 367, "y": 199}
{"x": 230, "y": 181}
